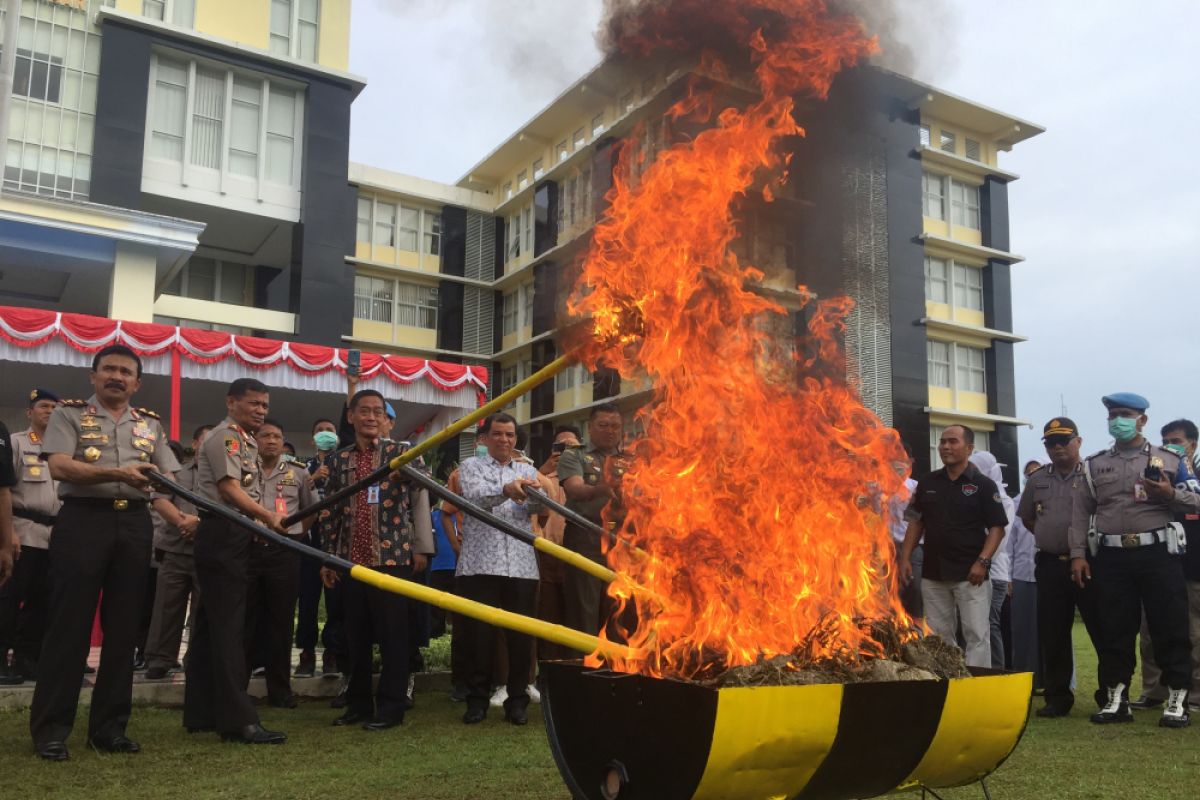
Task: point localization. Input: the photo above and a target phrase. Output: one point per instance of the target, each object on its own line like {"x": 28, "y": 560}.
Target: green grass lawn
{"x": 435, "y": 757}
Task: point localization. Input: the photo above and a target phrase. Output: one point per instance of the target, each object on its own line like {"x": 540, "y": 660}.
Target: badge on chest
{"x": 373, "y": 495}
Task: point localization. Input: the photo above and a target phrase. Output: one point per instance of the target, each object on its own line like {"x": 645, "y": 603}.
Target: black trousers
{"x": 587, "y": 607}
{"x": 1057, "y": 599}
{"x": 24, "y": 601}
{"x": 518, "y": 595}
{"x": 215, "y": 691}
{"x": 445, "y": 580}
{"x": 1128, "y": 581}
{"x": 273, "y": 581}
{"x": 332, "y": 637}
{"x": 372, "y": 615}
{"x": 93, "y": 549}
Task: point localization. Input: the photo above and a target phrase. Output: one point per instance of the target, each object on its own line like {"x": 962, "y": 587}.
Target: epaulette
{"x": 1098, "y": 453}
{"x": 147, "y": 412}
{"x": 73, "y": 403}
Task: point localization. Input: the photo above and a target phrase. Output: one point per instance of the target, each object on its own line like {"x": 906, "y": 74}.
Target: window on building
{"x": 508, "y": 314}
{"x": 627, "y": 102}
{"x": 947, "y": 142}
{"x": 295, "y": 28}
{"x": 416, "y": 305}
{"x": 373, "y": 298}
{"x": 926, "y": 136}
{"x": 565, "y": 380}
{"x": 527, "y": 305}
{"x": 563, "y": 151}
{"x": 968, "y": 287}
{"x": 956, "y": 366}
{"x": 38, "y": 76}
{"x": 585, "y": 376}
{"x": 539, "y": 170}
{"x": 509, "y": 377}
{"x": 964, "y": 201}
{"x": 512, "y": 229}
{"x": 527, "y": 224}
{"x": 522, "y": 180}
{"x": 579, "y": 138}
{"x": 433, "y": 233}
{"x": 934, "y": 189}
{"x": 507, "y": 191}
{"x": 982, "y": 442}
{"x": 217, "y": 281}
{"x": 598, "y": 124}
{"x": 362, "y": 232}
{"x": 410, "y": 229}
{"x": 937, "y": 280}
{"x": 232, "y": 115}
{"x": 385, "y": 224}
{"x": 177, "y": 12}
{"x": 973, "y": 150}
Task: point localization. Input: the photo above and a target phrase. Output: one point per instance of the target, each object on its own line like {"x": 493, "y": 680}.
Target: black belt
{"x": 108, "y": 503}
{"x": 34, "y": 516}
{"x": 1043, "y": 555}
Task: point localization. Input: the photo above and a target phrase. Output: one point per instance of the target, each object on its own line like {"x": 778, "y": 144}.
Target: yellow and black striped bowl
{"x": 633, "y": 737}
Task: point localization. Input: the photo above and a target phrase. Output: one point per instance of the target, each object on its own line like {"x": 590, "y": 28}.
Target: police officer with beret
{"x": 1124, "y": 537}
{"x": 100, "y": 451}
{"x": 35, "y": 503}
{"x": 228, "y": 472}
{"x": 1046, "y": 507}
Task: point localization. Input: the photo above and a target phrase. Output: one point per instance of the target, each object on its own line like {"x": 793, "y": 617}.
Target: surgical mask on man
{"x": 481, "y": 450}
{"x": 1123, "y": 429}
{"x": 1177, "y": 449}
{"x": 325, "y": 440}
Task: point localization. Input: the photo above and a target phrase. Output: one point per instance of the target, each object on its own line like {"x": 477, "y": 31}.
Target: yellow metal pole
{"x": 559, "y": 634}
{"x": 574, "y": 559}
{"x": 500, "y": 401}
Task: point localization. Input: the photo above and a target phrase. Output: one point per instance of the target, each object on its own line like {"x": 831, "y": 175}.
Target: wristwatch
{"x": 987, "y": 562}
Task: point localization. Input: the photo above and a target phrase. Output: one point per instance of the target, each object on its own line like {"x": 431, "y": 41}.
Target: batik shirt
{"x": 485, "y": 550}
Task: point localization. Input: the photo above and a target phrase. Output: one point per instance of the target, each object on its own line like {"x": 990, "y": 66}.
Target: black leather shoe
{"x": 52, "y": 751}
{"x": 383, "y": 723}
{"x": 350, "y": 718}
{"x": 1051, "y": 712}
{"x": 475, "y": 715}
{"x": 290, "y": 701}
{"x": 255, "y": 734}
{"x": 117, "y": 744}
{"x": 517, "y": 716}
{"x": 156, "y": 673}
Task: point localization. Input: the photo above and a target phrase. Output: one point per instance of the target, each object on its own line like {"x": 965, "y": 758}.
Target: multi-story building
{"x": 185, "y": 161}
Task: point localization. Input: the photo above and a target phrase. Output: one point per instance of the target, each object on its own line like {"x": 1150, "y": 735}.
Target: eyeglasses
{"x": 1057, "y": 441}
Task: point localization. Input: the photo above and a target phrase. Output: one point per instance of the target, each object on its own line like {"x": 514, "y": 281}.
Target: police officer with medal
{"x": 591, "y": 478}
{"x": 100, "y": 451}
{"x": 34, "y": 505}
{"x": 1124, "y": 537}
{"x": 227, "y": 472}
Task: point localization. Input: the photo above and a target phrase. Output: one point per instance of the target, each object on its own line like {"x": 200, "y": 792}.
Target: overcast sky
{"x": 1105, "y": 211}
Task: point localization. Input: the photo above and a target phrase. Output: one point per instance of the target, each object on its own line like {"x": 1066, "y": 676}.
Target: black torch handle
{"x": 575, "y": 518}
{"x": 341, "y": 494}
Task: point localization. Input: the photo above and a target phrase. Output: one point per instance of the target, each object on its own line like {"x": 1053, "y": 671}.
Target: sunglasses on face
{"x": 1057, "y": 441}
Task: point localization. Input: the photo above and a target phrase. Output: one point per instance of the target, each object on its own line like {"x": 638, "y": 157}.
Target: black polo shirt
{"x": 8, "y": 475}
{"x": 956, "y": 516}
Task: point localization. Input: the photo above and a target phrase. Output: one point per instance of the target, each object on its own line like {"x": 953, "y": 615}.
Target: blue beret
{"x": 42, "y": 394}
{"x": 1125, "y": 400}
{"x": 391, "y": 412}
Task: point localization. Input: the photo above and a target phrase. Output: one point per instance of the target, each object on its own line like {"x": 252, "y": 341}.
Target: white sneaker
{"x": 1175, "y": 714}
{"x": 499, "y": 696}
{"x": 1116, "y": 709}
{"x": 534, "y": 695}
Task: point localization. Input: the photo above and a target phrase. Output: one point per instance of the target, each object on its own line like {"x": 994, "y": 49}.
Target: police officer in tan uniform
{"x": 1123, "y": 536}
{"x": 100, "y": 451}
{"x": 591, "y": 479}
{"x": 227, "y": 473}
{"x": 274, "y": 571}
{"x": 35, "y": 503}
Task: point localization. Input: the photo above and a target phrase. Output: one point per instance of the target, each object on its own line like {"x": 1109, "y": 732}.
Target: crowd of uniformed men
{"x": 81, "y": 524}
{"x": 87, "y": 536}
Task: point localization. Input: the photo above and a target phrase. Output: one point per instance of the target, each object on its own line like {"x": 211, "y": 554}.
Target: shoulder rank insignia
{"x": 147, "y": 412}
{"x": 74, "y": 403}
{"x": 232, "y": 445}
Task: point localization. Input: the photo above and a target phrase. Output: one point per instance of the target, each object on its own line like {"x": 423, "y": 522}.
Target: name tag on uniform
{"x": 142, "y": 431}
{"x": 373, "y": 495}
{"x": 1139, "y": 492}
{"x": 281, "y": 505}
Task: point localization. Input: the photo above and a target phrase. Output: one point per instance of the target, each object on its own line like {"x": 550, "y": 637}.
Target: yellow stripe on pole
{"x": 559, "y": 634}
{"x": 576, "y": 560}
{"x": 500, "y": 401}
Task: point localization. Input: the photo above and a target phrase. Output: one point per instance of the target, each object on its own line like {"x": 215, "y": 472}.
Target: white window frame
{"x": 428, "y": 230}
{"x": 509, "y": 313}
{"x": 973, "y": 149}
{"x": 173, "y": 11}
{"x": 538, "y": 169}
{"x": 925, "y": 136}
{"x": 947, "y": 141}
{"x": 372, "y": 300}
{"x": 526, "y": 306}
{"x": 937, "y": 275}
{"x": 965, "y": 205}
{"x": 968, "y": 284}
{"x": 185, "y": 275}
{"x": 933, "y": 192}
{"x": 959, "y": 360}
{"x": 292, "y": 48}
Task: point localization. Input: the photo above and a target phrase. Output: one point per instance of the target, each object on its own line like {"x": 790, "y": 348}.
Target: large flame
{"x": 755, "y": 496}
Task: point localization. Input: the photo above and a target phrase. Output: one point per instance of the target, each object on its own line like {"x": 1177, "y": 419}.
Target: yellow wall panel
{"x": 366, "y": 329}
{"x": 333, "y": 47}
{"x": 936, "y": 227}
{"x": 130, "y": 6}
{"x": 384, "y": 254}
{"x": 969, "y": 316}
{"x": 940, "y": 397}
{"x": 937, "y": 310}
{"x": 408, "y": 259}
{"x": 972, "y": 402}
{"x": 243, "y": 21}
{"x": 362, "y": 250}
{"x": 422, "y": 338}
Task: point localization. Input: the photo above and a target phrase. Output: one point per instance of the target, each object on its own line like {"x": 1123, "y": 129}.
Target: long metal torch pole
{"x": 559, "y": 634}
{"x": 541, "y": 376}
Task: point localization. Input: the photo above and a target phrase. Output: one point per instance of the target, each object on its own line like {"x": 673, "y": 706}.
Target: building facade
{"x": 186, "y": 162}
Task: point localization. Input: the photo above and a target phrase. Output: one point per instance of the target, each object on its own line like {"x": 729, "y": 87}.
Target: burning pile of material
{"x": 752, "y": 493}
